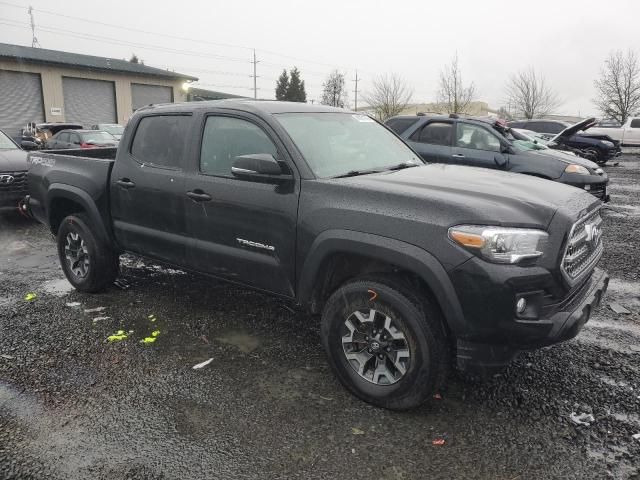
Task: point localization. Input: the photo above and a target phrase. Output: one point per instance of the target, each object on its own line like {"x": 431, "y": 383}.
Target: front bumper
{"x": 556, "y": 323}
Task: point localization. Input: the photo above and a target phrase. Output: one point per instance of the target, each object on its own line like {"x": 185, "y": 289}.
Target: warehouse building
{"x": 40, "y": 85}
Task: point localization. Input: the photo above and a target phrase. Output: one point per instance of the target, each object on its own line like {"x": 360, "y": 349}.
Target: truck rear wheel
{"x": 385, "y": 345}
{"x": 89, "y": 265}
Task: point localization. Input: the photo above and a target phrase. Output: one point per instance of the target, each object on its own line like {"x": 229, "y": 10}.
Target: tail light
{"x": 87, "y": 145}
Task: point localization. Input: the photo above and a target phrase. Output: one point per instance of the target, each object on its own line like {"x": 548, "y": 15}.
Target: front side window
{"x": 553, "y": 127}
{"x": 335, "y": 144}
{"x": 226, "y": 138}
{"x": 63, "y": 137}
{"x": 436, "y": 133}
{"x": 635, "y": 123}
{"x": 160, "y": 140}
{"x": 400, "y": 125}
{"x": 6, "y": 143}
{"x": 476, "y": 137}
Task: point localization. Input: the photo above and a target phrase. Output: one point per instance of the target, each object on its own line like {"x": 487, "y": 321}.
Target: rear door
{"x": 476, "y": 146}
{"x": 147, "y": 188}
{"x": 433, "y": 141}
{"x": 244, "y": 231}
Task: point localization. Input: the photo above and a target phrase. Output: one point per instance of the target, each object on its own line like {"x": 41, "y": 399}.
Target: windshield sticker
{"x": 362, "y": 118}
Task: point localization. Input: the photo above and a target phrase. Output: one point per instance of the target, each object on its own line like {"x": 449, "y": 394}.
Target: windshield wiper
{"x": 402, "y": 166}
{"x": 355, "y": 173}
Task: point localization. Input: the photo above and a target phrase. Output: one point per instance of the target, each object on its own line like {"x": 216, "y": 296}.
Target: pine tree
{"x": 296, "y": 91}
{"x": 282, "y": 86}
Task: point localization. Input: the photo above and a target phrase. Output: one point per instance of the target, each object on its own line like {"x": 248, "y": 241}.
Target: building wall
{"x": 51, "y": 77}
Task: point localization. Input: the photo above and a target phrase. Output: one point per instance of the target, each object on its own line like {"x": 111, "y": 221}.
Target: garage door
{"x": 142, "y": 95}
{"x": 20, "y": 101}
{"x": 88, "y": 102}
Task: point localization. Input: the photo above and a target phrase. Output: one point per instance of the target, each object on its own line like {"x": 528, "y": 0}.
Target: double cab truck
{"x": 411, "y": 267}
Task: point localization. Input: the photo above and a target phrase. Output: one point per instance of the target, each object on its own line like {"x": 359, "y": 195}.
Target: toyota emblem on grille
{"x": 593, "y": 234}
{"x": 6, "y": 179}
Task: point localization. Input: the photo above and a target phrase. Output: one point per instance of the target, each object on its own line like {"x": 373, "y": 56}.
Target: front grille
{"x": 13, "y": 183}
{"x": 584, "y": 247}
{"x": 598, "y": 190}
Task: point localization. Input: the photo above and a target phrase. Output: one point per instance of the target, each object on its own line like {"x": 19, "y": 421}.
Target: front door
{"x": 244, "y": 231}
{"x": 147, "y": 189}
{"x": 433, "y": 141}
{"x": 476, "y": 146}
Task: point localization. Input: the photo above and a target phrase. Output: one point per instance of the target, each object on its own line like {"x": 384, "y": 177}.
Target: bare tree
{"x": 389, "y": 96}
{"x": 453, "y": 96}
{"x": 334, "y": 92}
{"x": 618, "y": 88}
{"x": 530, "y": 96}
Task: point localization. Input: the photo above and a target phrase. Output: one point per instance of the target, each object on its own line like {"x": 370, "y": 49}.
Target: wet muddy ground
{"x": 74, "y": 405}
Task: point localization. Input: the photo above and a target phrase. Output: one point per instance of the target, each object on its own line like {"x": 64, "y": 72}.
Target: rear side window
{"x": 553, "y": 127}
{"x": 400, "y": 125}
{"x": 226, "y": 138}
{"x": 517, "y": 124}
{"x": 476, "y": 137}
{"x": 635, "y": 123}
{"x": 63, "y": 137}
{"x": 435, "y": 133}
{"x": 160, "y": 140}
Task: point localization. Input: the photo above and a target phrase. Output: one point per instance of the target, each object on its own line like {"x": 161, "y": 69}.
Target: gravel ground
{"x": 74, "y": 406}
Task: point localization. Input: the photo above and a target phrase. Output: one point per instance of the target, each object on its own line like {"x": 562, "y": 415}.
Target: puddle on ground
{"x": 623, "y": 288}
{"x": 58, "y": 287}
{"x": 241, "y": 340}
{"x": 17, "y": 247}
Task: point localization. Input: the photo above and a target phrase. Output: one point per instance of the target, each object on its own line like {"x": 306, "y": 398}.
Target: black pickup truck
{"x": 410, "y": 265}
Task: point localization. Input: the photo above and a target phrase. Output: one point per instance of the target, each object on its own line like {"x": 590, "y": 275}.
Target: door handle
{"x": 458, "y": 155}
{"x": 125, "y": 183}
{"x": 199, "y": 196}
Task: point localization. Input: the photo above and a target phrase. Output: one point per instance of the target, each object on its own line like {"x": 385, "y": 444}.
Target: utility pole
{"x": 255, "y": 76}
{"x": 356, "y": 91}
{"x": 34, "y": 40}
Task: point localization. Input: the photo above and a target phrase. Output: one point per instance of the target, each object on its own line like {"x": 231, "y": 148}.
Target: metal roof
{"x": 77, "y": 60}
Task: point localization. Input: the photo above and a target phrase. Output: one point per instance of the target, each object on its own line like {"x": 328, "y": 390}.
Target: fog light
{"x": 587, "y": 187}
{"x": 521, "y": 305}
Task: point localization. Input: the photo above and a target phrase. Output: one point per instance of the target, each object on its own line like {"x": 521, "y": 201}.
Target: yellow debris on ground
{"x": 30, "y": 296}
{"x": 118, "y": 336}
{"x": 154, "y": 336}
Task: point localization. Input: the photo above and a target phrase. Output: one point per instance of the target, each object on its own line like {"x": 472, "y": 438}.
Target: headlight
{"x": 599, "y": 171}
{"x": 500, "y": 244}
{"x": 579, "y": 169}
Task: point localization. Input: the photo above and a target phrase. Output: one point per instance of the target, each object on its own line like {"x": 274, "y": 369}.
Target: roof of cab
{"x": 256, "y": 106}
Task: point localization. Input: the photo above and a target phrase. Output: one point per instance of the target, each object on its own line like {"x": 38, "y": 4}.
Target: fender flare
{"x": 404, "y": 255}
{"x": 79, "y": 196}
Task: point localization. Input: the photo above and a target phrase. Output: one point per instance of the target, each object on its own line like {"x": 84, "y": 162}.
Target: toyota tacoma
{"x": 412, "y": 267}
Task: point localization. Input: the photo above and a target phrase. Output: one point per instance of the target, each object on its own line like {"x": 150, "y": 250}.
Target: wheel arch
{"x": 373, "y": 254}
{"x": 64, "y": 200}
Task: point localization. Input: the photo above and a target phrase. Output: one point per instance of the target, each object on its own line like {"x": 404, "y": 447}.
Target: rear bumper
{"x": 557, "y": 323}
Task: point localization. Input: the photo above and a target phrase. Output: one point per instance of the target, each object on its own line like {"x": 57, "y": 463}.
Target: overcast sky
{"x": 565, "y": 41}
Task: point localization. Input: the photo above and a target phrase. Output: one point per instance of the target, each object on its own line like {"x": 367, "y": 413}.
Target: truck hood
{"x": 13, "y": 160}
{"x": 575, "y": 128}
{"x": 479, "y": 195}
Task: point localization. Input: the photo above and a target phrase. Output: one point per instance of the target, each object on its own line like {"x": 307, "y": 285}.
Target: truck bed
{"x": 84, "y": 172}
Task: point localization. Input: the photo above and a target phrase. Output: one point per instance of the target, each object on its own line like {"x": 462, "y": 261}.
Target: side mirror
{"x": 500, "y": 160}
{"x": 259, "y": 166}
{"x": 28, "y": 145}
{"x": 504, "y": 148}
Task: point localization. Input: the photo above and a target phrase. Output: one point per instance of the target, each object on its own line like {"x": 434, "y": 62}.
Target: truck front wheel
{"x": 89, "y": 265}
{"x": 385, "y": 344}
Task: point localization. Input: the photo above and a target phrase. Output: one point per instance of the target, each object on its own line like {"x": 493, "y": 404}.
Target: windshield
{"x": 335, "y": 144}
{"x": 6, "y": 143}
{"x": 112, "y": 129}
{"x": 522, "y": 142}
{"x": 97, "y": 137}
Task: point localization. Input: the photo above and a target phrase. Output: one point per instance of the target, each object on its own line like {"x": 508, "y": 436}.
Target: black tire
{"x": 596, "y": 155}
{"x": 416, "y": 318}
{"x": 100, "y": 265}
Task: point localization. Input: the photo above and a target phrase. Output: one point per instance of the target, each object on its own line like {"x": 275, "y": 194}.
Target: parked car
{"x": 112, "y": 128}
{"x": 13, "y": 172}
{"x": 487, "y": 143}
{"x": 407, "y": 263}
{"x": 627, "y": 134}
{"x": 597, "y": 147}
{"x": 68, "y": 139}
